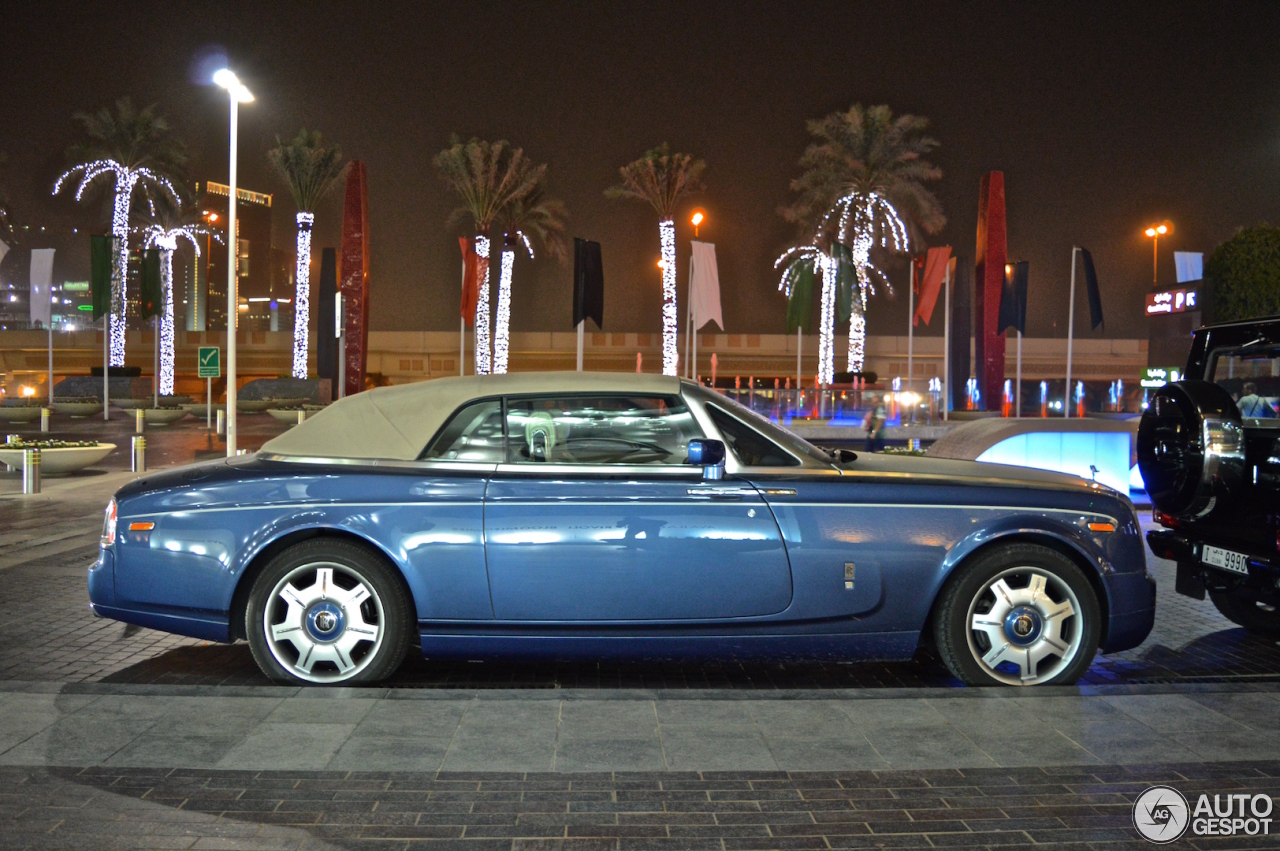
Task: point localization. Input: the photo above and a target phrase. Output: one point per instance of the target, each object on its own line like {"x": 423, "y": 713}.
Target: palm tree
{"x": 536, "y": 218}
{"x": 164, "y": 235}
{"x": 311, "y": 169}
{"x": 133, "y": 149}
{"x": 488, "y": 176}
{"x": 863, "y": 173}
{"x": 663, "y": 179}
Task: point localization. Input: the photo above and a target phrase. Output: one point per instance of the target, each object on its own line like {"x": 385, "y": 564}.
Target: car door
{"x": 595, "y": 516}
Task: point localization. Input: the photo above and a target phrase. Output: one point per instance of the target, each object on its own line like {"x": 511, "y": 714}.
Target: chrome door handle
{"x": 720, "y": 493}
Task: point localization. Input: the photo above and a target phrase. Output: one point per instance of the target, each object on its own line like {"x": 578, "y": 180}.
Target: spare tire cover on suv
{"x": 1191, "y": 449}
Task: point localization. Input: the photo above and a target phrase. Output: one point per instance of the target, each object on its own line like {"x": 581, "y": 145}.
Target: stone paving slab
{"x": 1067, "y": 807}
{"x": 513, "y": 731}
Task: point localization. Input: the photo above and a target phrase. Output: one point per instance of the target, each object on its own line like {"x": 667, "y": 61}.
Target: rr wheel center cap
{"x": 1023, "y": 625}
{"x": 325, "y": 621}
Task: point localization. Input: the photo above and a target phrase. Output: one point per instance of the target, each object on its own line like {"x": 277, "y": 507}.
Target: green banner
{"x": 100, "y": 248}
{"x": 800, "y": 303}
{"x": 152, "y": 294}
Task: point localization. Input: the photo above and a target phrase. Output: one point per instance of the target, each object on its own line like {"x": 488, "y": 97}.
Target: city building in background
{"x": 265, "y": 293}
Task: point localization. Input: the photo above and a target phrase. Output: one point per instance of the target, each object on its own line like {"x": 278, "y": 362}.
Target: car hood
{"x": 968, "y": 472}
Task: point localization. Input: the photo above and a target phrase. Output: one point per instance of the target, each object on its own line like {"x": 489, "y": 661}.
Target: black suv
{"x": 1209, "y": 452}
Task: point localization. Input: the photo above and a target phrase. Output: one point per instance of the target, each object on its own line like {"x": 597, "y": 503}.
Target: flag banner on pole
{"x": 846, "y": 282}
{"x": 472, "y": 275}
{"x": 1013, "y": 298}
{"x": 4, "y": 249}
{"x": 41, "y": 285}
{"x": 800, "y": 302}
{"x": 326, "y": 318}
{"x": 1091, "y": 284}
{"x": 100, "y": 251}
{"x": 588, "y": 282}
{"x": 936, "y": 261}
{"x": 704, "y": 286}
{"x": 151, "y": 296}
{"x": 1190, "y": 266}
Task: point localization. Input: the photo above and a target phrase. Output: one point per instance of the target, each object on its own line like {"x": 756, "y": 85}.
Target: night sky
{"x": 1104, "y": 118}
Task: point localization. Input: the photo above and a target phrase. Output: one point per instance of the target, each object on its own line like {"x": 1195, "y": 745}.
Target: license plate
{"x": 1226, "y": 559}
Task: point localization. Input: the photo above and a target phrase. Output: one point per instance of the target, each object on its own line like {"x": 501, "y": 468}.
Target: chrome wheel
{"x": 323, "y": 622}
{"x": 1024, "y": 626}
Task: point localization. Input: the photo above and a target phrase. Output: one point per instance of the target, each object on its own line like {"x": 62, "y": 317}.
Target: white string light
{"x": 667, "y": 237}
{"x": 302, "y": 296}
{"x": 482, "y": 310}
{"x": 126, "y": 180}
{"x": 828, "y": 267}
{"x": 867, "y": 220}
{"x": 502, "y": 322}
{"x": 501, "y": 329}
{"x": 155, "y": 236}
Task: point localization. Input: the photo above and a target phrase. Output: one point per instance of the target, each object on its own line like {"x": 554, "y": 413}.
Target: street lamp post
{"x": 691, "y": 333}
{"x": 236, "y": 94}
{"x": 1155, "y": 232}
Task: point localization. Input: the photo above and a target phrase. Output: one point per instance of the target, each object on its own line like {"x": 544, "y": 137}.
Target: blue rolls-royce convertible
{"x": 593, "y": 516}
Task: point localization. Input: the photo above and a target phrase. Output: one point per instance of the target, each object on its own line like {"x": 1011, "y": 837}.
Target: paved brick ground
{"x": 1059, "y": 808}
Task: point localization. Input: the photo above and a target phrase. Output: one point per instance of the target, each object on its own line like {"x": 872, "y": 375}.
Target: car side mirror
{"x": 710, "y": 455}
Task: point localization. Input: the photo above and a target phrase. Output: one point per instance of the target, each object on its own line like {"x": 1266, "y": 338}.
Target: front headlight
{"x": 109, "y": 524}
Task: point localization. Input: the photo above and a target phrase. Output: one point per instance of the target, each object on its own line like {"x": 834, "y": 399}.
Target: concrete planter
{"x": 197, "y": 409}
{"x": 163, "y": 416}
{"x": 57, "y": 461}
{"x": 78, "y": 410}
{"x": 290, "y": 415}
{"x": 19, "y": 413}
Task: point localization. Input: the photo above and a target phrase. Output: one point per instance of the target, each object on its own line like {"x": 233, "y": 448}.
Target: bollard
{"x": 31, "y": 471}
{"x": 13, "y": 438}
{"x": 44, "y": 420}
{"x": 302, "y": 417}
{"x": 242, "y": 451}
{"x": 139, "y": 454}
{"x": 222, "y": 422}
{"x": 139, "y": 420}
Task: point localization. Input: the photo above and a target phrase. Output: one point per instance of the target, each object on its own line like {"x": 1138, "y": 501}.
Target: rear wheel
{"x": 1019, "y": 615}
{"x": 327, "y": 612}
{"x": 1244, "y": 609}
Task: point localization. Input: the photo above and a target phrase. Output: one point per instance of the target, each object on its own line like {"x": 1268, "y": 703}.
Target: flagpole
{"x": 946, "y": 351}
{"x": 581, "y": 333}
{"x": 51, "y": 360}
{"x": 799, "y": 345}
{"x": 1071, "y": 325}
{"x": 1017, "y": 393}
{"x": 106, "y": 387}
{"x": 911, "y": 315}
{"x": 155, "y": 375}
{"x": 462, "y": 326}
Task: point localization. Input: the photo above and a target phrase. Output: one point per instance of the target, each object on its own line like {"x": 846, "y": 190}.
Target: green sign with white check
{"x": 210, "y": 362}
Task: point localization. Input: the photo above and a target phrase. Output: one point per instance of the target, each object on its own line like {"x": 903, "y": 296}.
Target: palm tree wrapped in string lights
{"x": 536, "y": 218}
{"x": 663, "y": 179}
{"x": 131, "y": 149}
{"x": 311, "y": 169}
{"x": 863, "y": 173}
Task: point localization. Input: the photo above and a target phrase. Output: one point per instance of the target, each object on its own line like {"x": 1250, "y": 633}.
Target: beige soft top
{"x": 396, "y": 422}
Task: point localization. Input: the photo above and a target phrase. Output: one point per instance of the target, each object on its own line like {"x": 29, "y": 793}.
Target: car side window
{"x": 751, "y": 448}
{"x": 1252, "y": 377}
{"x": 599, "y": 429}
{"x": 473, "y": 433}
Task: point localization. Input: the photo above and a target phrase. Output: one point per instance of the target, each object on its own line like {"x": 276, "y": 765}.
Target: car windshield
{"x": 1251, "y": 374}
{"x": 797, "y": 446}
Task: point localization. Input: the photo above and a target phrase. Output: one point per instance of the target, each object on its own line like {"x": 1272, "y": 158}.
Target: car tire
{"x": 1019, "y": 614}
{"x": 1244, "y": 609}
{"x": 328, "y": 612}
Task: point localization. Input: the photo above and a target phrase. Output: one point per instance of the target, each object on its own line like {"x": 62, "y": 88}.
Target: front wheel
{"x": 327, "y": 612}
{"x": 1246, "y": 610}
{"x": 1019, "y": 615}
